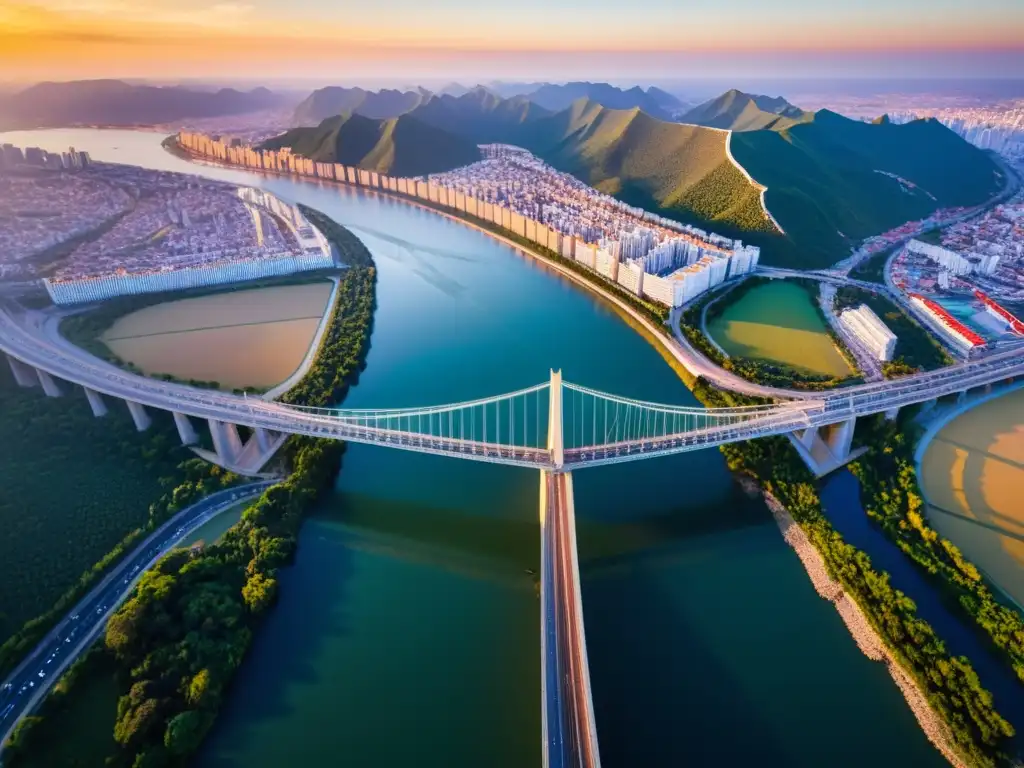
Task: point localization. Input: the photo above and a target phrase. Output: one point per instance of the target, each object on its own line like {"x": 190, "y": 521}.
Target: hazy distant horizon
{"x": 529, "y": 40}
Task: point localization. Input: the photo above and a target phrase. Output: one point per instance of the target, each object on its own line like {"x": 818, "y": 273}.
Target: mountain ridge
{"x": 735, "y": 110}
{"x": 401, "y": 146}
{"x": 115, "y": 102}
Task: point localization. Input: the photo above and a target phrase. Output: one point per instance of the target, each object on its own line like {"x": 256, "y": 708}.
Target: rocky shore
{"x": 864, "y": 635}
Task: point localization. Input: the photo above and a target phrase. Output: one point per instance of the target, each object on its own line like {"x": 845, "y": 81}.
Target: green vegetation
{"x": 78, "y": 493}
{"x": 401, "y": 146}
{"x": 916, "y": 349}
{"x": 674, "y": 169}
{"x": 75, "y": 723}
{"x": 834, "y": 181}
{"x": 178, "y": 640}
{"x": 872, "y": 269}
{"x": 892, "y": 498}
{"x": 760, "y": 371}
{"x": 480, "y": 115}
{"x": 738, "y": 111}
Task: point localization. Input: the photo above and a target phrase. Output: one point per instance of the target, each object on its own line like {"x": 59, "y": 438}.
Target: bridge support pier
{"x": 24, "y": 375}
{"x": 139, "y": 415}
{"x": 827, "y": 448}
{"x": 961, "y": 397}
{"x": 186, "y": 431}
{"x": 927, "y": 405}
{"x": 50, "y": 385}
{"x": 226, "y": 441}
{"x": 264, "y": 439}
{"x": 892, "y": 413}
{"x": 99, "y": 408}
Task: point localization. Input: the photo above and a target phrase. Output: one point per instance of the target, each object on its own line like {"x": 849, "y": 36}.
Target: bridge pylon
{"x": 556, "y": 442}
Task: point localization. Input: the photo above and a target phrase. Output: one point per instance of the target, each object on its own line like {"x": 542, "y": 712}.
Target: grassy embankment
{"x": 178, "y": 640}
{"x": 79, "y": 492}
{"x": 86, "y": 329}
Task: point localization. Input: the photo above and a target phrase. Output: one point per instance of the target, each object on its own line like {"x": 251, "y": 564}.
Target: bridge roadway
{"x": 21, "y": 338}
{"x": 570, "y": 733}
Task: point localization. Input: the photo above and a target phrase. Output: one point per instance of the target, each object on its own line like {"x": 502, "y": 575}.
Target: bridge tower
{"x": 556, "y": 442}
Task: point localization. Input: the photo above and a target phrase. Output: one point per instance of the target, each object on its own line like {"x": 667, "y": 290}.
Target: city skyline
{"x": 61, "y": 39}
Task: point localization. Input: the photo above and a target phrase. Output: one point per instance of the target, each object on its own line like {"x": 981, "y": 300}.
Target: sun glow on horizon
{"x": 104, "y": 38}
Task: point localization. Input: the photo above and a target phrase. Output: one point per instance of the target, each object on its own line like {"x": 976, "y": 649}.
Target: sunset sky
{"x": 471, "y": 40}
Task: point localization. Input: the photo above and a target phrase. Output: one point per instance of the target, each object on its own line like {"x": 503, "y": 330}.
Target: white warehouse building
{"x": 867, "y": 328}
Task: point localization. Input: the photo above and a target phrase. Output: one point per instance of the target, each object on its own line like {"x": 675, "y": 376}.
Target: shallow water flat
{"x": 973, "y": 477}
{"x": 777, "y": 322}
{"x": 254, "y": 338}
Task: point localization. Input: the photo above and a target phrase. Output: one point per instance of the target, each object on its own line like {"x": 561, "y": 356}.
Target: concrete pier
{"x": 99, "y": 408}
{"x": 226, "y": 441}
{"x": 139, "y": 415}
{"x": 24, "y": 375}
{"x": 186, "y": 431}
{"x": 50, "y": 385}
{"x": 840, "y": 438}
{"x": 892, "y": 413}
{"x": 263, "y": 439}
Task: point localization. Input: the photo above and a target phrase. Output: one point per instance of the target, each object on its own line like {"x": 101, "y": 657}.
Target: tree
{"x": 134, "y": 726}
{"x": 185, "y": 731}
{"x": 259, "y": 592}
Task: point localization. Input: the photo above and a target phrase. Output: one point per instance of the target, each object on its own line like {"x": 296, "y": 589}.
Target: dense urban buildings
{"x": 867, "y": 328}
{"x": 999, "y": 126}
{"x": 651, "y": 256}
{"x": 117, "y": 229}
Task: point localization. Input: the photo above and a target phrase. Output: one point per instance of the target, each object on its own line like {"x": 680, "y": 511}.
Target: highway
{"x": 22, "y": 691}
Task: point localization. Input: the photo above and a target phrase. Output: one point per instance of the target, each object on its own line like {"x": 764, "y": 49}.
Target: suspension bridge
{"x": 556, "y": 426}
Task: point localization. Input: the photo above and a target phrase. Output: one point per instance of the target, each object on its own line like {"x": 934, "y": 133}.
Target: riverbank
{"x": 864, "y": 634}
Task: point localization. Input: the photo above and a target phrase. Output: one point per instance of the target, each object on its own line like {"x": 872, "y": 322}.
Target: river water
{"x": 408, "y": 630}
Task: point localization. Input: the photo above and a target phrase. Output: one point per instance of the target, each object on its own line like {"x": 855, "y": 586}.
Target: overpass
{"x": 556, "y": 427}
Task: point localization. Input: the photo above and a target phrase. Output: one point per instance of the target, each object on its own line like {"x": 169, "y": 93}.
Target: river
{"x": 407, "y": 632}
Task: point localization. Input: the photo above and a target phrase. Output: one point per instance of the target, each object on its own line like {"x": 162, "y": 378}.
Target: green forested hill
{"x": 679, "y": 170}
{"x": 402, "y": 146}
{"x": 833, "y": 181}
{"x": 480, "y": 115}
{"x": 738, "y": 111}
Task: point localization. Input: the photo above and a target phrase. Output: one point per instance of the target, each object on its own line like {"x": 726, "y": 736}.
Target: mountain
{"x": 665, "y": 100}
{"x": 679, "y": 170}
{"x": 738, "y": 111}
{"x": 481, "y": 115}
{"x": 833, "y": 181}
{"x": 508, "y": 90}
{"x": 455, "y": 89}
{"x": 402, "y": 146}
{"x": 558, "y": 97}
{"x": 114, "y": 102}
{"x": 335, "y": 100}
